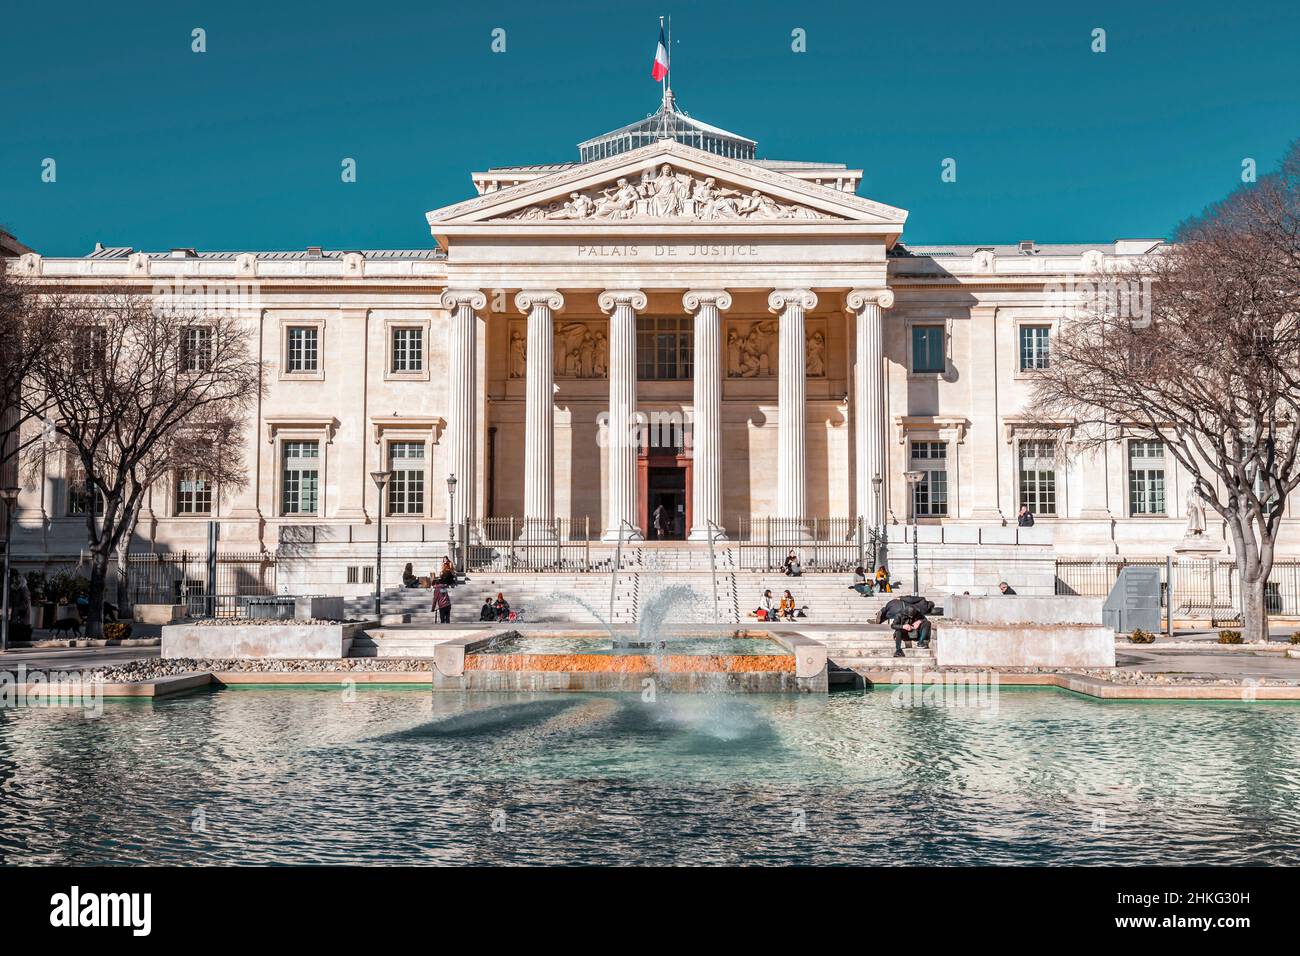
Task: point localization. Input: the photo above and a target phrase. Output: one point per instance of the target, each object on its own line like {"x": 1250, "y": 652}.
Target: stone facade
{"x": 825, "y": 352}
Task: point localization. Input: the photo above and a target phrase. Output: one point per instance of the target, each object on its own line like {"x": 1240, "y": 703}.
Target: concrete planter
{"x": 959, "y": 644}
{"x": 276, "y": 641}
{"x": 159, "y": 613}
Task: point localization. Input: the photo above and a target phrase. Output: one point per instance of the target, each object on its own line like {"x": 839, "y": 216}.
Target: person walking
{"x": 442, "y": 603}
{"x": 659, "y": 520}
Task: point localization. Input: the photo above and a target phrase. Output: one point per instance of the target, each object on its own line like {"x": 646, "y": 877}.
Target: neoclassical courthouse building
{"x": 774, "y": 322}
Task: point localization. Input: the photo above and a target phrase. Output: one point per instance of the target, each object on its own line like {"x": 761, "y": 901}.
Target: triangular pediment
{"x": 667, "y": 184}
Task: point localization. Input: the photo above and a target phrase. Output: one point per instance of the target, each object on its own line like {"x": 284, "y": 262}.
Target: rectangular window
{"x": 300, "y": 477}
{"x": 196, "y": 348}
{"x": 1035, "y": 347}
{"x": 79, "y": 494}
{"x": 927, "y": 349}
{"x": 930, "y": 494}
{"x": 665, "y": 348}
{"x": 91, "y": 348}
{"x": 408, "y": 350}
{"x": 1038, "y": 476}
{"x": 406, "y": 486}
{"x": 193, "y": 494}
{"x": 302, "y": 349}
{"x": 1146, "y": 478}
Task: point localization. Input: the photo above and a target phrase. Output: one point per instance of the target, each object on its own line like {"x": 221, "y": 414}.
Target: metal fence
{"x": 514, "y": 544}
{"x": 822, "y": 544}
{"x": 1202, "y": 588}
{"x": 185, "y": 577}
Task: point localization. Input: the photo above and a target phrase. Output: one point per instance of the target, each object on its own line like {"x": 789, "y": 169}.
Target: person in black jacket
{"x": 1026, "y": 517}
{"x": 487, "y": 612}
{"x": 909, "y": 625}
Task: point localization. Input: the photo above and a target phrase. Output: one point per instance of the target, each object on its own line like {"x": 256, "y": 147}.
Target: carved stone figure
{"x": 753, "y": 353}
{"x": 666, "y": 194}
{"x": 518, "y": 355}
{"x": 815, "y": 364}
{"x": 580, "y": 351}
{"x": 1195, "y": 514}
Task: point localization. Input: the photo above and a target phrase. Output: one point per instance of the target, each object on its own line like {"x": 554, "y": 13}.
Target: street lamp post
{"x": 451, "y": 520}
{"x": 380, "y": 478}
{"x": 10, "y": 496}
{"x": 914, "y": 478}
{"x": 877, "y": 521}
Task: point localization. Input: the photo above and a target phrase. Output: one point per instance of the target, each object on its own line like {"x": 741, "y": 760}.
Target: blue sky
{"x": 240, "y": 147}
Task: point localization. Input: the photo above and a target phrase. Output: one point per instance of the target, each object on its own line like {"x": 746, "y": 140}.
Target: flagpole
{"x": 663, "y": 84}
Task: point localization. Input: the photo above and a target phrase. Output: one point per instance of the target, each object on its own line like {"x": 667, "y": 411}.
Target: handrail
{"x": 618, "y": 563}
{"x": 714, "y": 533}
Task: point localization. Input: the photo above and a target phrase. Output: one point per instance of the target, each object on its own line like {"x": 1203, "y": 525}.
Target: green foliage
{"x": 65, "y": 583}
{"x": 1140, "y": 636}
{"x": 1230, "y": 637}
{"x": 117, "y": 630}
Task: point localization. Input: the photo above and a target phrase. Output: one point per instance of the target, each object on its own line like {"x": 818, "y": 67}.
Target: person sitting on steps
{"x": 502, "y": 607}
{"x": 487, "y": 612}
{"x": 861, "y": 583}
{"x": 910, "y": 623}
{"x": 409, "y": 579}
{"x": 882, "y": 580}
{"x": 787, "y": 608}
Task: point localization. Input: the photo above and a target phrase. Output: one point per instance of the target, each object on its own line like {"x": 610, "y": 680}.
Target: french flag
{"x": 660, "y": 69}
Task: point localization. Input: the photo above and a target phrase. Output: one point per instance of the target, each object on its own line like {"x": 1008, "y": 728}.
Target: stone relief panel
{"x": 581, "y": 349}
{"x": 666, "y": 194}
{"x": 752, "y": 348}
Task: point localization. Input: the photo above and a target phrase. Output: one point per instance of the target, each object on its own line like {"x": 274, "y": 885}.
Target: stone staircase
{"x": 869, "y": 649}
{"x": 675, "y": 596}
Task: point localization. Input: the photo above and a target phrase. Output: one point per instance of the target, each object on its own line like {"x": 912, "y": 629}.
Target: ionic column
{"x": 791, "y": 304}
{"x": 622, "y": 306}
{"x": 869, "y": 431}
{"x": 706, "y": 465}
{"x": 462, "y": 397}
{"x": 539, "y": 414}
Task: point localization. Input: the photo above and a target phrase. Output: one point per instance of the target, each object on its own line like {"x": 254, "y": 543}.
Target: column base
{"x": 538, "y": 531}
{"x": 705, "y": 533}
{"x": 611, "y": 534}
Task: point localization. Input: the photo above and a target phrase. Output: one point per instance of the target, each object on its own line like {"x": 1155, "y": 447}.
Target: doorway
{"x": 666, "y": 488}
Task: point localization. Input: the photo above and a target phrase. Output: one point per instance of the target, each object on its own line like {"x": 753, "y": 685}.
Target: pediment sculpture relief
{"x": 667, "y": 194}
{"x": 752, "y": 348}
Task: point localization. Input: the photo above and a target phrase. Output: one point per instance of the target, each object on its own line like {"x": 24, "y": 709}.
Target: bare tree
{"x": 24, "y": 333}
{"x": 1198, "y": 346}
{"x": 137, "y": 392}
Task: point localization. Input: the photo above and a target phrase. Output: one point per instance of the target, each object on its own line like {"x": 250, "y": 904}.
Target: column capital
{"x": 455, "y": 298}
{"x": 610, "y": 299}
{"x": 528, "y": 299}
{"x": 695, "y": 298}
{"x": 782, "y": 299}
{"x": 858, "y": 299}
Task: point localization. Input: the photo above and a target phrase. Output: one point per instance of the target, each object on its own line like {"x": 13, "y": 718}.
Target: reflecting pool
{"x": 378, "y": 775}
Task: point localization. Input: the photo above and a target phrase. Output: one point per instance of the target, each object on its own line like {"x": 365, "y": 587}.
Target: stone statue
{"x": 518, "y": 355}
{"x": 815, "y": 365}
{"x": 753, "y": 354}
{"x": 1195, "y": 513}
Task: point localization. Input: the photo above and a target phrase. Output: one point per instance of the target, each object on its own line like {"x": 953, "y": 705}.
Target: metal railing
{"x": 1202, "y": 588}
{"x": 822, "y": 544}
{"x": 515, "y": 544}
{"x": 207, "y": 588}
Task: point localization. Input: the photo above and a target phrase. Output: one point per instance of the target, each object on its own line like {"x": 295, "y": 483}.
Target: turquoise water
{"x": 632, "y": 644}
{"x": 388, "y": 776}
